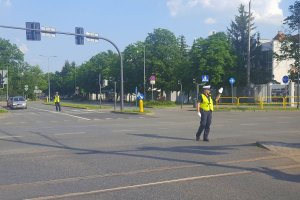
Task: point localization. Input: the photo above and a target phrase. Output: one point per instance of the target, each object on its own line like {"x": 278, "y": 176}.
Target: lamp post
{"x": 144, "y": 81}
{"x": 298, "y": 61}
{"x": 48, "y": 58}
{"x": 144, "y": 73}
{"x": 181, "y": 99}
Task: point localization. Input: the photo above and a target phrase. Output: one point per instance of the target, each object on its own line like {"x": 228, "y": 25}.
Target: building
{"x": 275, "y": 69}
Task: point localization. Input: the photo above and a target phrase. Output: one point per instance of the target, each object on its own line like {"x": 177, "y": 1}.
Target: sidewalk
{"x": 288, "y": 149}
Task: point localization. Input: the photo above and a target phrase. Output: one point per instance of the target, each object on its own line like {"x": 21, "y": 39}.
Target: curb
{"x": 291, "y": 150}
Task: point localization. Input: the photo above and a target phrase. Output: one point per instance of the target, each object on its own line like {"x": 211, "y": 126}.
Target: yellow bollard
{"x": 141, "y": 104}
{"x": 261, "y": 103}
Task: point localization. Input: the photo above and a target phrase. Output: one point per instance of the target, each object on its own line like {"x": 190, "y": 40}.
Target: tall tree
{"x": 238, "y": 34}
{"x": 214, "y": 57}
{"x": 289, "y": 48}
{"x": 184, "y": 72}
{"x": 164, "y": 53}
{"x": 11, "y": 58}
{"x": 104, "y": 63}
{"x": 133, "y": 67}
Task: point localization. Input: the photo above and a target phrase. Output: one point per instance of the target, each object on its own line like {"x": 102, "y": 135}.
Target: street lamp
{"x": 48, "y": 58}
{"x": 144, "y": 73}
{"x": 180, "y": 83}
{"x": 144, "y": 82}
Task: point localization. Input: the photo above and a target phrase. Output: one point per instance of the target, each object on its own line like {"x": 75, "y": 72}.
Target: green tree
{"x": 134, "y": 67}
{"x": 238, "y": 34}
{"x": 289, "y": 46}
{"x": 214, "y": 57}
{"x": 184, "y": 71}
{"x": 11, "y": 58}
{"x": 163, "y": 53}
{"x": 104, "y": 63}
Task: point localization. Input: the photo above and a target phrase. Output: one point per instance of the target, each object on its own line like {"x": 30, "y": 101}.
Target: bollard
{"x": 261, "y": 103}
{"x": 141, "y": 104}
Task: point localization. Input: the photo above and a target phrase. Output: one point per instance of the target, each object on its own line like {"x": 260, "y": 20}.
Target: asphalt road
{"x": 85, "y": 154}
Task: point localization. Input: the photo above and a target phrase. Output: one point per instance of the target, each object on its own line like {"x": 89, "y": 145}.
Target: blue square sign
{"x": 205, "y": 78}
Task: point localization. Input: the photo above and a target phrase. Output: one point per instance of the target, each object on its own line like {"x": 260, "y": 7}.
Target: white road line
{"x": 140, "y": 185}
{"x": 74, "y": 133}
{"x": 157, "y": 183}
{"x": 250, "y": 124}
{"x": 57, "y": 134}
{"x": 61, "y": 113}
{"x": 8, "y": 137}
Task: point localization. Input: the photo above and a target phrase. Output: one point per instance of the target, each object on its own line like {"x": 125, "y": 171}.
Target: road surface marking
{"x": 7, "y": 137}
{"x": 250, "y": 124}
{"x": 74, "y": 133}
{"x": 76, "y": 194}
{"x": 57, "y": 134}
{"x": 55, "y": 181}
{"x": 61, "y": 113}
{"x": 139, "y": 185}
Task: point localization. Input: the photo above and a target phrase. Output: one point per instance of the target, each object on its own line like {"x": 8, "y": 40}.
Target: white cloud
{"x": 210, "y": 21}
{"x": 23, "y": 47}
{"x": 6, "y": 2}
{"x": 264, "y": 10}
{"x": 174, "y": 6}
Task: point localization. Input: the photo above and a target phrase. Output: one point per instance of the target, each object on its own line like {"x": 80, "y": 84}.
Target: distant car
{"x": 17, "y": 102}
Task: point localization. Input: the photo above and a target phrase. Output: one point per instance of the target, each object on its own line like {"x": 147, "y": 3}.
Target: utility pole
{"x": 144, "y": 72}
{"x": 49, "y": 90}
{"x": 298, "y": 58}
{"x": 248, "y": 50}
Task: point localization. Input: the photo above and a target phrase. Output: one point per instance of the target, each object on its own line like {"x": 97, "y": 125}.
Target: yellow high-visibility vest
{"x": 207, "y": 104}
{"x": 56, "y": 99}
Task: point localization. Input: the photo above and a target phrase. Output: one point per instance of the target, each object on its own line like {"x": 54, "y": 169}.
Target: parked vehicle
{"x": 17, "y": 102}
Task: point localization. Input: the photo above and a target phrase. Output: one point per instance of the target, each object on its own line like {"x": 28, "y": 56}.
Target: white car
{"x": 17, "y": 102}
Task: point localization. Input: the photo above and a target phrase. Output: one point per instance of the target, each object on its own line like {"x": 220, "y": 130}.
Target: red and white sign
{"x": 152, "y": 79}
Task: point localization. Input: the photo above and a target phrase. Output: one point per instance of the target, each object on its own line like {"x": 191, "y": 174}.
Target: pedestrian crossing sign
{"x": 205, "y": 78}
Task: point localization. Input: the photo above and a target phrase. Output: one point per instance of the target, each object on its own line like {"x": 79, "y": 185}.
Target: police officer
{"x": 57, "y": 102}
{"x": 205, "y": 108}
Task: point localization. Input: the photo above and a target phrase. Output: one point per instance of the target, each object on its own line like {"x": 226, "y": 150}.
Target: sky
{"x": 125, "y": 22}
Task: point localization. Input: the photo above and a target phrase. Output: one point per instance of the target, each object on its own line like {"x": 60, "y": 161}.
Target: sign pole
{"x": 100, "y": 90}
{"x": 232, "y": 94}
{"x": 231, "y": 81}
{"x": 152, "y": 91}
{"x": 7, "y": 84}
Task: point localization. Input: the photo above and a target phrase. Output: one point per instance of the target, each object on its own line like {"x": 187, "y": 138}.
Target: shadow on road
{"x": 138, "y": 153}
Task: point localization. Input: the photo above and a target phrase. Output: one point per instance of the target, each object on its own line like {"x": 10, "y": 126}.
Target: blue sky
{"x": 125, "y": 22}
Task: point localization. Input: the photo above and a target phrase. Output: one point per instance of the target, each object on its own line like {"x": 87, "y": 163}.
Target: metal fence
{"x": 260, "y": 102}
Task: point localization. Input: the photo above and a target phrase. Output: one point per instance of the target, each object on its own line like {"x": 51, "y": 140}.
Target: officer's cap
{"x": 206, "y": 87}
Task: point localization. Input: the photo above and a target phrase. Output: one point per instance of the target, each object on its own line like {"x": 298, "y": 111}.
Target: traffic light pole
{"x": 87, "y": 36}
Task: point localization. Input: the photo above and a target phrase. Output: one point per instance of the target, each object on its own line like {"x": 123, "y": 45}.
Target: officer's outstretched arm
{"x": 220, "y": 93}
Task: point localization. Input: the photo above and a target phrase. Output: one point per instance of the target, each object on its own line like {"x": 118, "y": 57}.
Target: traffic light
{"x": 1, "y": 80}
{"x": 79, "y": 39}
{"x": 194, "y": 80}
{"x": 179, "y": 82}
{"x": 34, "y": 35}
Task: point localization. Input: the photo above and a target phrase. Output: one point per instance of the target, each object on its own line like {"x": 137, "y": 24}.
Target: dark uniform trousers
{"x": 205, "y": 122}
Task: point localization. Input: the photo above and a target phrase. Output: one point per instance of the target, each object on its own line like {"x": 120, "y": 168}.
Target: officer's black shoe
{"x": 206, "y": 139}
{"x": 197, "y": 138}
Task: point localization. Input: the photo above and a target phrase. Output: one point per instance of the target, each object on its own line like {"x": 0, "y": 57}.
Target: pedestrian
{"x": 57, "y": 102}
{"x": 205, "y": 108}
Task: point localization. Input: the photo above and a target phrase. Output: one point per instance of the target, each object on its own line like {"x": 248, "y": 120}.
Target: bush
{"x": 153, "y": 103}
